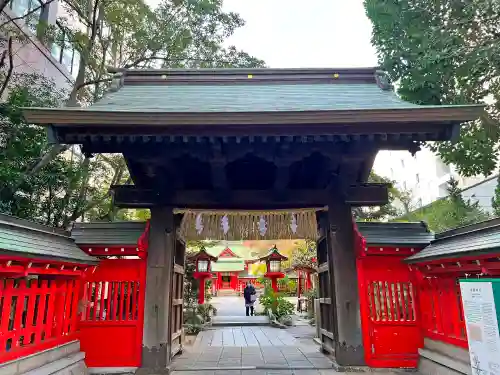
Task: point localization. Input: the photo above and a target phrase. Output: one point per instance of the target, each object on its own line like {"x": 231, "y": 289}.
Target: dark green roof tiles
{"x": 392, "y": 234}
{"x": 476, "y": 239}
{"x": 26, "y": 239}
{"x": 274, "y": 97}
{"x": 124, "y": 233}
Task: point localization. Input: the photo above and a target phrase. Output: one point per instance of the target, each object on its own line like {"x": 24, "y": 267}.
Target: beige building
{"x": 58, "y": 61}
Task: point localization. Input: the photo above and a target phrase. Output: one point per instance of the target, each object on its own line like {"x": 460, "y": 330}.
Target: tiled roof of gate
{"x": 477, "y": 239}
{"x": 246, "y": 98}
{"x": 23, "y": 238}
{"x": 250, "y": 90}
{"x": 115, "y": 233}
{"x": 402, "y": 234}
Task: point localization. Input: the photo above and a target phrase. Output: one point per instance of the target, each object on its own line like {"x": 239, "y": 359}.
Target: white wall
{"x": 424, "y": 174}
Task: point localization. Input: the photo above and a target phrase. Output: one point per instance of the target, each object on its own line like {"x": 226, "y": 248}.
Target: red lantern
{"x": 273, "y": 264}
{"x": 203, "y": 262}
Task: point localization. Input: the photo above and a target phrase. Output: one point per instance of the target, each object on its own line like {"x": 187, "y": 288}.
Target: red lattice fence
{"x": 36, "y": 314}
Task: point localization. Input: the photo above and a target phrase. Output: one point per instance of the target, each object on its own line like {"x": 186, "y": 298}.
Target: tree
{"x": 13, "y": 37}
{"x": 446, "y": 52}
{"x": 447, "y": 213}
{"x": 495, "y": 201}
{"x": 304, "y": 254}
{"x": 63, "y": 190}
{"x": 125, "y": 34}
{"x": 386, "y": 211}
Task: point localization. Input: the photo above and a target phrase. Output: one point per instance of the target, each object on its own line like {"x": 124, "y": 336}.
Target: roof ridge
{"x": 249, "y": 76}
{"x": 17, "y": 222}
{"x": 237, "y": 71}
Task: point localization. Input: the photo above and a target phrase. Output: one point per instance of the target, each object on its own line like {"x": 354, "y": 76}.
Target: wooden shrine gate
{"x": 112, "y": 319}
{"x": 389, "y": 316}
{"x": 177, "y": 310}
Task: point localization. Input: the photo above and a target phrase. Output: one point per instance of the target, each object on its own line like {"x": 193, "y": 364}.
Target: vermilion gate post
{"x": 112, "y": 319}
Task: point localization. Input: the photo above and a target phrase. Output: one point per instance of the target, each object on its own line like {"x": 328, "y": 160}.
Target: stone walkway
{"x": 251, "y": 351}
{"x": 244, "y": 337}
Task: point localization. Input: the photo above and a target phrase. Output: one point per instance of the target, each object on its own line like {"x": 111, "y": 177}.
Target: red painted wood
{"x": 227, "y": 253}
{"x": 31, "y": 320}
{"x": 442, "y": 311}
{"x": 390, "y": 324}
{"x": 113, "y": 337}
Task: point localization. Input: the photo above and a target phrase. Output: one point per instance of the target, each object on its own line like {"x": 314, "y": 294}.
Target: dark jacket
{"x": 247, "y": 292}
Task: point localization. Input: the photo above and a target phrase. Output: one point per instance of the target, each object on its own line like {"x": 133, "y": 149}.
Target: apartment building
{"x": 426, "y": 176}
{"x": 58, "y": 61}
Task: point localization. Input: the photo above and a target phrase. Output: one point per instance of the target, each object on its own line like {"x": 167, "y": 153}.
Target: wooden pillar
{"x": 348, "y": 341}
{"x": 156, "y": 351}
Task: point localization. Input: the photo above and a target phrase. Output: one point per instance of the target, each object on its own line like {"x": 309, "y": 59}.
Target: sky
{"x": 304, "y": 34}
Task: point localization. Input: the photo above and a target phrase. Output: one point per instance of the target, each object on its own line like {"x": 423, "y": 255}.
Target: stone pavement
{"x": 245, "y": 349}
{"x": 265, "y": 358}
{"x": 244, "y": 336}
{"x": 254, "y": 351}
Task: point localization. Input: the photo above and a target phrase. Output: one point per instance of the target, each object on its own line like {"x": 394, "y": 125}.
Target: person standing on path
{"x": 250, "y": 296}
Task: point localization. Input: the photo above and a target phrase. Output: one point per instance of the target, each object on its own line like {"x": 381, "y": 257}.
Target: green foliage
{"x": 57, "y": 185}
{"x": 275, "y": 303}
{"x": 495, "y": 201}
{"x": 304, "y": 253}
{"x": 192, "y": 329}
{"x": 447, "y": 213}
{"x": 383, "y": 212}
{"x": 61, "y": 192}
{"x": 445, "y": 52}
{"x": 206, "y": 311}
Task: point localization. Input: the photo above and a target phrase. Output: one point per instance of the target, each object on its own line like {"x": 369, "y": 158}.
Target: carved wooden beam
{"x": 360, "y": 195}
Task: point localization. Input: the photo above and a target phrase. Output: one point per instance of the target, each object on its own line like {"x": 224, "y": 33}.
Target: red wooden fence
{"x": 112, "y": 322}
{"x": 441, "y": 309}
{"x": 36, "y": 314}
{"x": 389, "y": 311}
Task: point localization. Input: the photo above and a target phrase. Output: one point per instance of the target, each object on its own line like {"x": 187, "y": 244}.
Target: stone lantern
{"x": 203, "y": 270}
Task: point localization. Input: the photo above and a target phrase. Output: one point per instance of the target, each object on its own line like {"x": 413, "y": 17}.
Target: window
{"x": 23, "y": 7}
{"x": 64, "y": 51}
{"x": 76, "y": 63}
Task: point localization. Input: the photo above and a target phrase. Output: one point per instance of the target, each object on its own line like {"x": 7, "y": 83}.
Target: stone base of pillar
{"x": 354, "y": 356}
{"x": 154, "y": 361}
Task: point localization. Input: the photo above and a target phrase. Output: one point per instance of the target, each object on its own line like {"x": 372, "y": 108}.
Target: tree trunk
{"x": 81, "y": 193}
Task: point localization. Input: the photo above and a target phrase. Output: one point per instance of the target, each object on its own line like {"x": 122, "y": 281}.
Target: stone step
{"x": 221, "y": 320}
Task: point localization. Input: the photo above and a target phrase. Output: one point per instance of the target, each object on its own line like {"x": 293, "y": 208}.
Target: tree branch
{"x": 24, "y": 15}
{"x": 93, "y": 82}
{"x": 11, "y": 66}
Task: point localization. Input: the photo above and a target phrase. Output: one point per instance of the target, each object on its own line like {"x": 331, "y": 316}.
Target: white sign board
{"x": 482, "y": 326}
